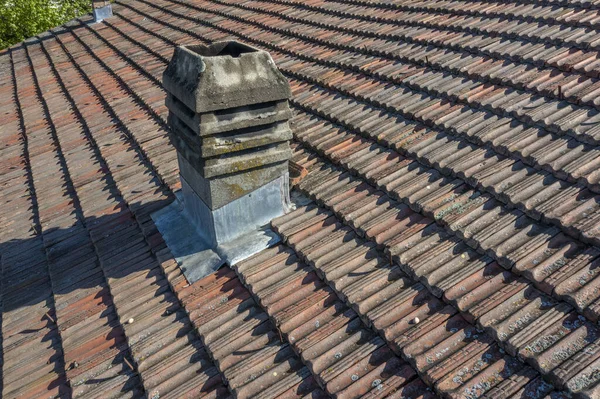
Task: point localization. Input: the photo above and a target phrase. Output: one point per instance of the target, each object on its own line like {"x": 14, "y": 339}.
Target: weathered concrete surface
{"x": 228, "y": 114}
{"x": 223, "y": 75}
{"x": 229, "y": 142}
{"x": 231, "y": 118}
{"x": 219, "y": 191}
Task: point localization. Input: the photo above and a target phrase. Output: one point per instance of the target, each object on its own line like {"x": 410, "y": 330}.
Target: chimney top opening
{"x": 232, "y": 49}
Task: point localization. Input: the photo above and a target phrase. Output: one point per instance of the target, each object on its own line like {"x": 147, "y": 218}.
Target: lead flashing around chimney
{"x": 200, "y": 252}
{"x": 245, "y": 214}
{"x": 194, "y": 256}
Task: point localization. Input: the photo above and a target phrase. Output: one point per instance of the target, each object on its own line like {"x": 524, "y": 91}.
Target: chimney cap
{"x": 223, "y": 75}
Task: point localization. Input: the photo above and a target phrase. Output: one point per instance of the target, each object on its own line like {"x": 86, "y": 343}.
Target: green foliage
{"x": 20, "y": 19}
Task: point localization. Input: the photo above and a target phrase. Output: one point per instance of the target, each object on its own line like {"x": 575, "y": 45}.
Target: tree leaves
{"x": 20, "y": 19}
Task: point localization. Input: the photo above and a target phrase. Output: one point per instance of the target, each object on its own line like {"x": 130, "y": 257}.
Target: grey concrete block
{"x": 218, "y": 191}
{"x": 240, "y": 162}
{"x": 244, "y": 117}
{"x": 223, "y": 75}
{"x": 241, "y": 140}
{"x": 229, "y": 119}
{"x": 225, "y": 120}
{"x": 253, "y": 138}
{"x": 245, "y": 161}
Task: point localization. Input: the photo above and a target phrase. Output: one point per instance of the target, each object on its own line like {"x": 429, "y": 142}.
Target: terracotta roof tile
{"x": 450, "y": 248}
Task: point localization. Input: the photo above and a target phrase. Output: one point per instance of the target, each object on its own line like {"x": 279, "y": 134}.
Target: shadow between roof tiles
{"x": 475, "y": 5}
{"x": 557, "y": 151}
{"x": 101, "y": 224}
{"x": 242, "y": 341}
{"x": 472, "y": 4}
{"x": 496, "y": 19}
{"x": 437, "y": 185}
{"x": 347, "y": 358}
{"x": 571, "y": 151}
{"x": 165, "y": 333}
{"x": 434, "y": 54}
{"x": 41, "y": 367}
{"x": 147, "y": 375}
{"x": 140, "y": 134}
{"x": 464, "y": 276}
{"x": 103, "y": 348}
{"x": 13, "y": 124}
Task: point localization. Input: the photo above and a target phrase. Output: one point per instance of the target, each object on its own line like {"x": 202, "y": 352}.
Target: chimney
{"x": 102, "y": 10}
{"x": 228, "y": 113}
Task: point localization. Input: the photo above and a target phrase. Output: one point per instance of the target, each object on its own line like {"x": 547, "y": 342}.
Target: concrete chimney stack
{"x": 228, "y": 113}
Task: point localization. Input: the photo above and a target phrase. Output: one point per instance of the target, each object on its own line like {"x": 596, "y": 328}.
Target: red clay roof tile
{"x": 450, "y": 250}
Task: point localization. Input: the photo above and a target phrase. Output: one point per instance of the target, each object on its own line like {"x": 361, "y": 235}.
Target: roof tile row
{"x": 482, "y": 68}
{"x": 510, "y": 25}
{"x": 349, "y": 360}
{"x": 418, "y": 326}
{"x": 420, "y": 250}
{"x": 377, "y": 35}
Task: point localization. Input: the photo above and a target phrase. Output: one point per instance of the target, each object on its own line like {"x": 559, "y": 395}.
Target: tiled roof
{"x": 452, "y": 244}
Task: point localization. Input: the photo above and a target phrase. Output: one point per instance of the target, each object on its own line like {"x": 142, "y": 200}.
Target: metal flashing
{"x": 230, "y": 239}
{"x": 102, "y": 13}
